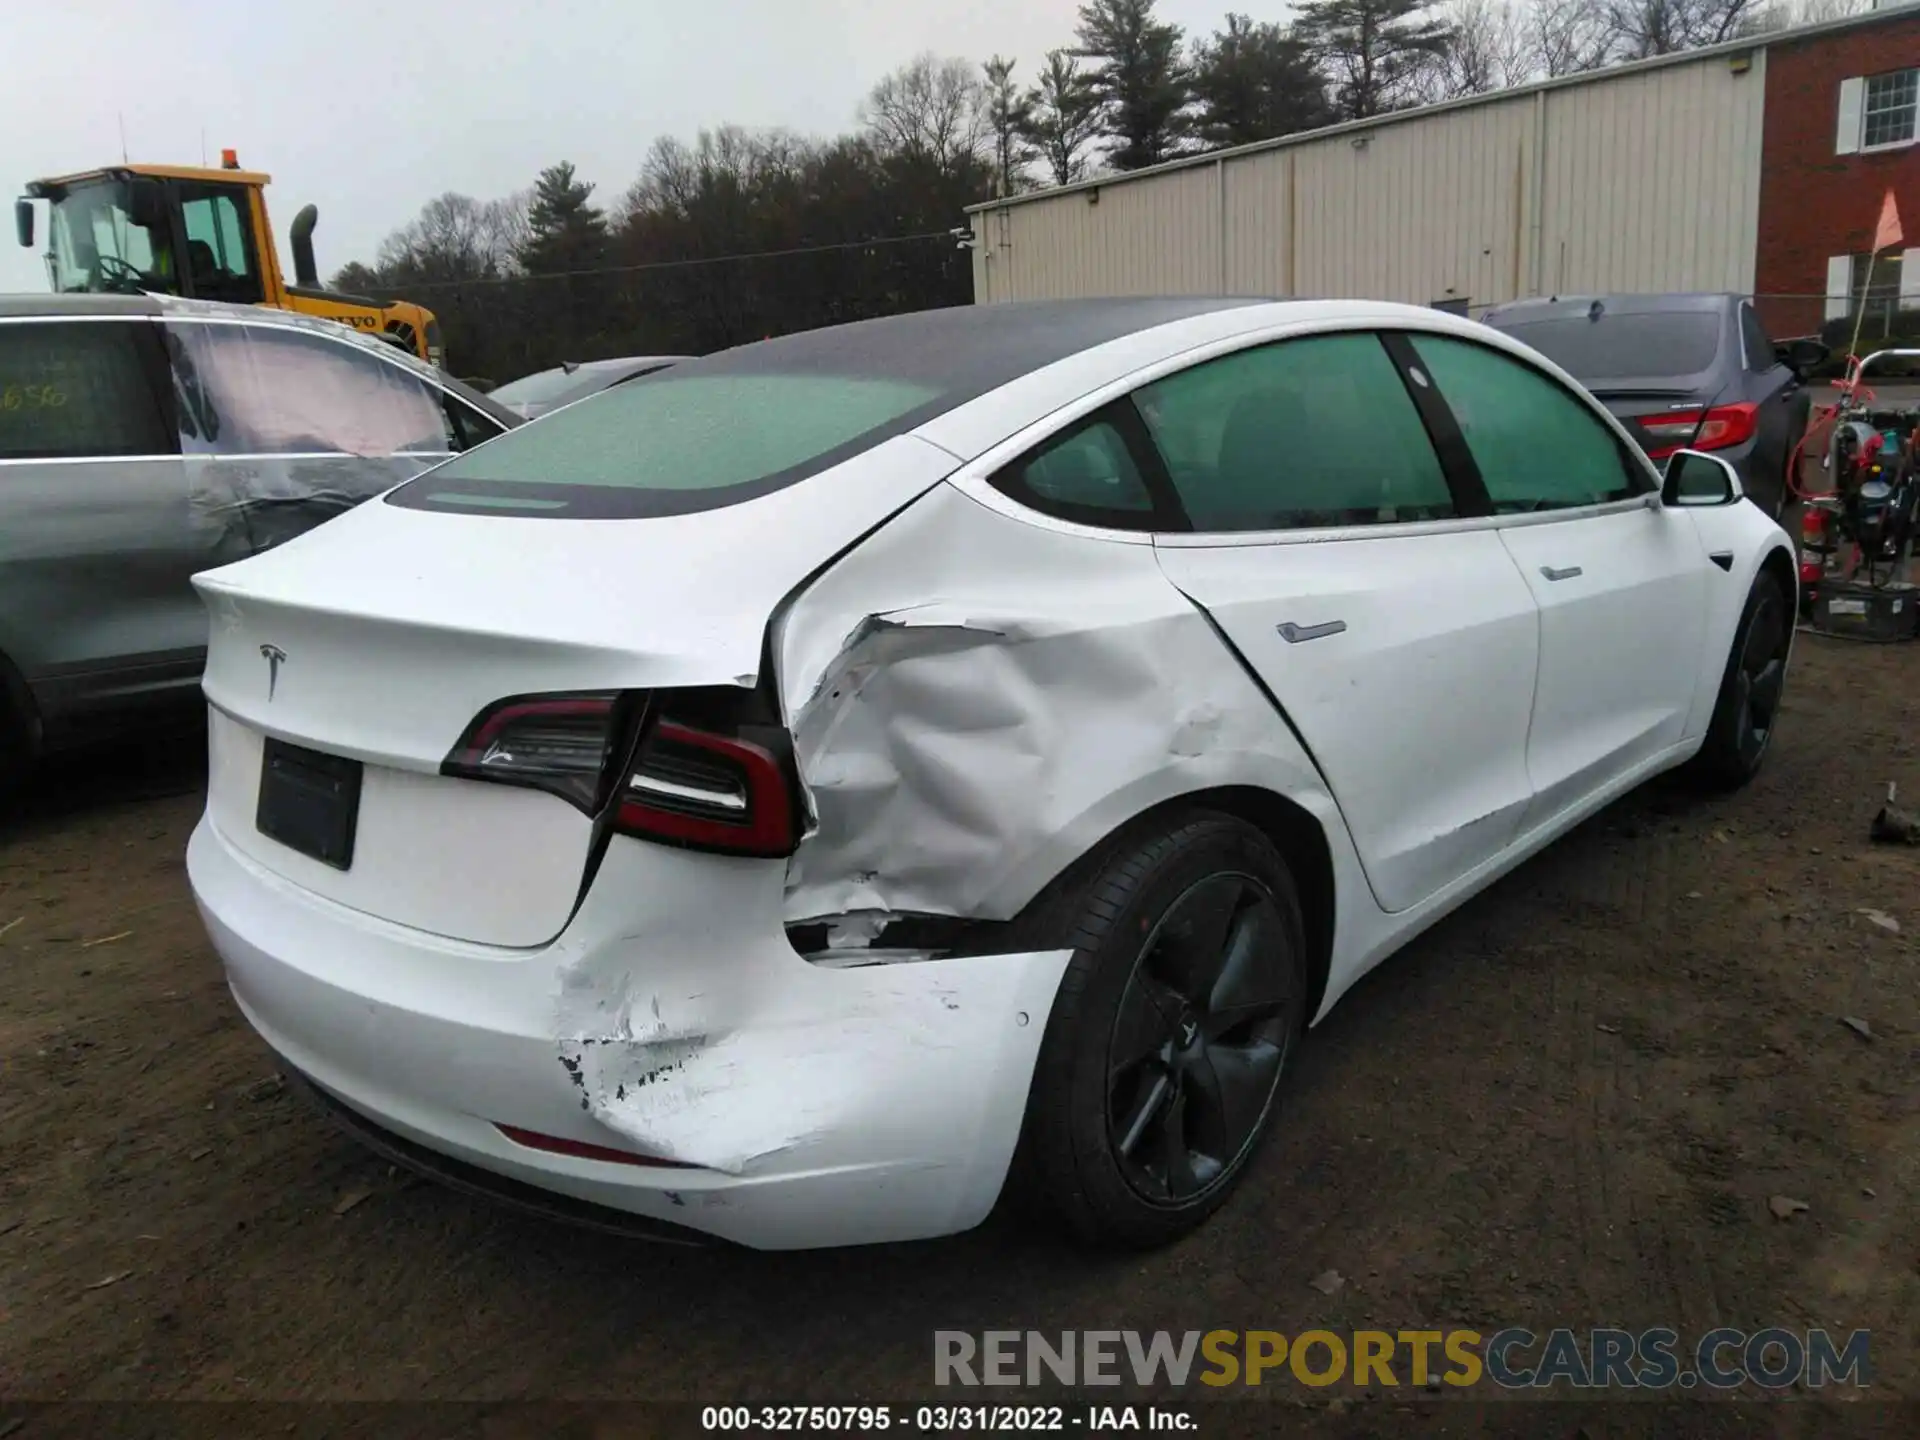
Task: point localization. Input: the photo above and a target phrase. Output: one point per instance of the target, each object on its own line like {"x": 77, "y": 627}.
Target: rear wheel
{"x": 1750, "y": 690}
{"x": 1176, "y": 1019}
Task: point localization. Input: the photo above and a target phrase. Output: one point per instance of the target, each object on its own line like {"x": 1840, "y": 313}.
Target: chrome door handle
{"x": 1293, "y": 634}
{"x": 1553, "y": 574}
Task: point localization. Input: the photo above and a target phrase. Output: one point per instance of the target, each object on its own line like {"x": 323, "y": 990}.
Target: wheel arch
{"x": 1295, "y": 832}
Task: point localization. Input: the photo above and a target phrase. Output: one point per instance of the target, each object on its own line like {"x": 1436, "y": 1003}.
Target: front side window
{"x": 261, "y": 390}
{"x": 1311, "y": 432}
{"x": 219, "y": 258}
{"x": 1537, "y": 447}
{"x": 1891, "y": 104}
{"x": 76, "y": 389}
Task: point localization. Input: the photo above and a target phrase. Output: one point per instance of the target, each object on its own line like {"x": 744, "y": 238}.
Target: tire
{"x": 1748, "y": 705}
{"x": 1147, "y": 1105}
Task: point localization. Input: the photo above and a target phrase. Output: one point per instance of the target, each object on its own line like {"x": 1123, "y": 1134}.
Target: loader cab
{"x": 130, "y": 231}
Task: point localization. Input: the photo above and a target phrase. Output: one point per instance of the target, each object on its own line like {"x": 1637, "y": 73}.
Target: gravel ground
{"x": 1570, "y": 1104}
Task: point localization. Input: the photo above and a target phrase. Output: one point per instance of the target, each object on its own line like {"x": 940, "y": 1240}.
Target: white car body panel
{"x": 1620, "y": 632}
{"x": 1416, "y": 710}
{"x": 822, "y": 1106}
{"x": 977, "y": 701}
{"x": 977, "y": 695}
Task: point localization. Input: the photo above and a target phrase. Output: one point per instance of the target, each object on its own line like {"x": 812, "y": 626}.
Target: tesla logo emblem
{"x": 1189, "y": 1028}
{"x": 273, "y": 655}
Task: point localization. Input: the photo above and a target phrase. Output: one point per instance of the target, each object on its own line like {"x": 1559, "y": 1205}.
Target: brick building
{"x": 1757, "y": 167}
{"x": 1842, "y": 107}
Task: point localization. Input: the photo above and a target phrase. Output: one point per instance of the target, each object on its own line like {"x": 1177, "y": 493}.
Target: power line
{"x": 411, "y": 286}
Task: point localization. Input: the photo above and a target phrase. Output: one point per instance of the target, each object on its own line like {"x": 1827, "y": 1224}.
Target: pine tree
{"x": 1375, "y": 50}
{"x": 1139, "y": 78}
{"x": 565, "y": 230}
{"x": 1064, "y": 117}
{"x": 1254, "y": 82}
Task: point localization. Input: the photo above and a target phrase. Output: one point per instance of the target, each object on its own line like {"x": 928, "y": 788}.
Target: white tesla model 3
{"x": 796, "y": 796}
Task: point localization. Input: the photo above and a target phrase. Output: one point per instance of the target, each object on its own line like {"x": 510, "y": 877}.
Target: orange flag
{"x": 1887, "y": 233}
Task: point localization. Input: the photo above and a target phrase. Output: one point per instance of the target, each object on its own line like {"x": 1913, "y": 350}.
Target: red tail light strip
{"x": 1721, "y": 426}
{"x": 581, "y": 1150}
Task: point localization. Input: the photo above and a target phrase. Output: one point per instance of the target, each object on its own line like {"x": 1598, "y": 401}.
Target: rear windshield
{"x": 675, "y": 445}
{"x": 1623, "y": 347}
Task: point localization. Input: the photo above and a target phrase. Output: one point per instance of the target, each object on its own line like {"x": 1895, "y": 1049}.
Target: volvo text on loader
{"x": 185, "y": 230}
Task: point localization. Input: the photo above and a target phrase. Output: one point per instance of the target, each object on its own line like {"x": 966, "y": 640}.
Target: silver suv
{"x": 144, "y": 438}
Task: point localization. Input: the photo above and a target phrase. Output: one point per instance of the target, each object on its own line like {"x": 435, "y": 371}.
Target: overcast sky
{"x": 368, "y": 108}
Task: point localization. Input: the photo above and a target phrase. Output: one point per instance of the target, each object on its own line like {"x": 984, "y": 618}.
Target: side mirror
{"x": 1696, "y": 478}
{"x": 23, "y": 220}
{"x": 146, "y": 206}
{"x": 1802, "y": 356}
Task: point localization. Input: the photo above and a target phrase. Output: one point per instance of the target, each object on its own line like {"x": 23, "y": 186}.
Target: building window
{"x": 1891, "y": 103}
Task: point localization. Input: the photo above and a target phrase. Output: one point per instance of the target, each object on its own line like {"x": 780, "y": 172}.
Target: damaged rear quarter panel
{"x": 976, "y": 701}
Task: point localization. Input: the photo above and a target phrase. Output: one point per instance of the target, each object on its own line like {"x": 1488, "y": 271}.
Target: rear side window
{"x": 1304, "y": 433}
{"x": 674, "y": 445}
{"x": 259, "y": 390}
{"x": 71, "y": 389}
{"x": 1087, "y": 475}
{"x": 1537, "y": 447}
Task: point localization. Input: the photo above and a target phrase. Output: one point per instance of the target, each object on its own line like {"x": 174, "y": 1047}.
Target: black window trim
{"x": 1632, "y": 459}
{"x": 1470, "y": 498}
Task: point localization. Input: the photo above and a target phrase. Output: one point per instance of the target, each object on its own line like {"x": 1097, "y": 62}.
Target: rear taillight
{"x": 709, "y": 773}
{"x": 1722, "y": 426}
{"x": 712, "y": 791}
{"x": 557, "y": 743}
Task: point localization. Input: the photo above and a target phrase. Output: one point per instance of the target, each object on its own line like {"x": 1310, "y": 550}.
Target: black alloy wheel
{"x": 1202, "y": 1035}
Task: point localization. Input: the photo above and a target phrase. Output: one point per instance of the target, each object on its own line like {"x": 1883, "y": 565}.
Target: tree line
{"x": 740, "y": 234}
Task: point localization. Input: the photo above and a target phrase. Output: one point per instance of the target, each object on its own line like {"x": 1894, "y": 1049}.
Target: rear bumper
{"x": 801, "y": 1106}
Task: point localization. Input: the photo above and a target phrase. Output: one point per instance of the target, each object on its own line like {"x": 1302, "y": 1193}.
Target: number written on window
{"x": 74, "y": 390}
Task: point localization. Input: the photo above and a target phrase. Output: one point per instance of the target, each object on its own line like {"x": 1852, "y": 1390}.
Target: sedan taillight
{"x": 557, "y": 743}
{"x": 708, "y": 773}
{"x": 1721, "y": 426}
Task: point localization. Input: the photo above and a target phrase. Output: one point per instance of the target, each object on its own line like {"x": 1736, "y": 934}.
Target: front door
{"x": 1620, "y": 583}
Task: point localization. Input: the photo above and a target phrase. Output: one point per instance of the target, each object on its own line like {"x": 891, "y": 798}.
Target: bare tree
{"x": 927, "y": 110}
{"x": 1488, "y": 49}
{"x": 456, "y": 237}
{"x": 1639, "y": 28}
{"x": 1065, "y": 117}
{"x": 1565, "y": 37}
{"x": 1009, "y": 115}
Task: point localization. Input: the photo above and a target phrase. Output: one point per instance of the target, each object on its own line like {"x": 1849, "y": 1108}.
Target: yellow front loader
{"x": 193, "y": 231}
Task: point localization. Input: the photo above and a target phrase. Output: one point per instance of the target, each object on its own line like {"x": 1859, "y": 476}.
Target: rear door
{"x": 96, "y": 557}
{"x": 1621, "y": 583}
{"x": 1327, "y": 546}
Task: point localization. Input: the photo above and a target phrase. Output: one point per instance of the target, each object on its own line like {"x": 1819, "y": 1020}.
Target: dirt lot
{"x": 1570, "y": 1104}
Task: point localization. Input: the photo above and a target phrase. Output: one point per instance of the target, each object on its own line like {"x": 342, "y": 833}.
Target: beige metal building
{"x": 1643, "y": 177}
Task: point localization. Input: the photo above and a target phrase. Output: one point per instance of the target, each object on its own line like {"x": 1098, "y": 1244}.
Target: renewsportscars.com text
{"x": 1773, "y": 1358}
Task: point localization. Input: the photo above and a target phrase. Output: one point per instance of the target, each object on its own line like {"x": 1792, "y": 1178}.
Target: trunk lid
{"x": 380, "y": 636}
{"x": 1632, "y": 404}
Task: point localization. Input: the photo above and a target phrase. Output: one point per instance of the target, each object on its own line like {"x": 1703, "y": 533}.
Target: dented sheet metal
{"x": 975, "y": 701}
{"x": 701, "y": 1037}
{"x": 240, "y": 507}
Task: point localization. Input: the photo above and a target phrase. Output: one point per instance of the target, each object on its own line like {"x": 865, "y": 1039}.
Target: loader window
{"x": 220, "y": 259}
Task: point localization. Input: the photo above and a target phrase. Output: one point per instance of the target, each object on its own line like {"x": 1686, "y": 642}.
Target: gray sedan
{"x": 544, "y": 390}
